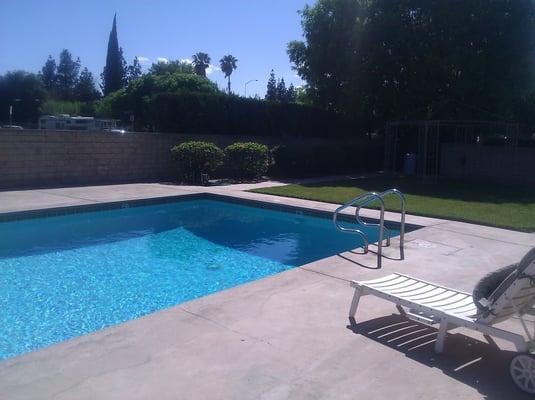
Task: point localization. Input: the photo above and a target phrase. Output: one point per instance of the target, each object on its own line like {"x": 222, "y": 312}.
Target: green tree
{"x": 302, "y": 96}
{"x": 395, "y": 59}
{"x": 271, "y": 92}
{"x": 281, "y": 90}
{"x": 124, "y": 67}
{"x": 67, "y": 75}
{"x": 85, "y": 89}
{"x": 55, "y": 107}
{"x": 48, "y": 74}
{"x": 23, "y": 91}
{"x": 133, "y": 71}
{"x": 291, "y": 94}
{"x": 113, "y": 75}
{"x": 201, "y": 61}
{"x": 228, "y": 65}
{"x": 171, "y": 67}
{"x": 139, "y": 94}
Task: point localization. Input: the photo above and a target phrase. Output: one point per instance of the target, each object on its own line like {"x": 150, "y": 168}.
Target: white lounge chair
{"x": 449, "y": 308}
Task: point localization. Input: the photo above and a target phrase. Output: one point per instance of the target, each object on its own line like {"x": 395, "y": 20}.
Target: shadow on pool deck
{"x": 472, "y": 362}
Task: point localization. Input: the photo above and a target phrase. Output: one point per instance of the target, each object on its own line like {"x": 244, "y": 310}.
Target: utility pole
{"x": 11, "y": 112}
{"x": 246, "y": 83}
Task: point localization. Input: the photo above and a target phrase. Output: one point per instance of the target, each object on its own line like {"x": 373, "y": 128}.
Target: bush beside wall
{"x": 247, "y": 160}
{"x": 196, "y": 158}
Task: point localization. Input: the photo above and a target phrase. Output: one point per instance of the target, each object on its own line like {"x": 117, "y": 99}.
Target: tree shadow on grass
{"x": 443, "y": 189}
{"x": 465, "y": 359}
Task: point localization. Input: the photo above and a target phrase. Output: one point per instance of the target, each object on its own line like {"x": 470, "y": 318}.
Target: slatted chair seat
{"x": 427, "y": 299}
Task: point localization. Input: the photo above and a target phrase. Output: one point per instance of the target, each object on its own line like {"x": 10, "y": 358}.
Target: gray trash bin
{"x": 409, "y": 164}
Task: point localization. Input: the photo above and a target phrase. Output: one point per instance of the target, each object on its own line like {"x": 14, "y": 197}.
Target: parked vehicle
{"x": 13, "y": 127}
{"x": 67, "y": 122}
{"x": 117, "y": 130}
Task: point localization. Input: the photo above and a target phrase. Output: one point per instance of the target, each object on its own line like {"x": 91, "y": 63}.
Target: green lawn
{"x": 489, "y": 204}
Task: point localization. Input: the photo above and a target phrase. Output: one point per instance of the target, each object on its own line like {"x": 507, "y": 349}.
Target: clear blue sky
{"x": 254, "y": 31}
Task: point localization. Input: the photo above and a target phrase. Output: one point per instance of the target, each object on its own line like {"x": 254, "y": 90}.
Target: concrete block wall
{"x": 33, "y": 158}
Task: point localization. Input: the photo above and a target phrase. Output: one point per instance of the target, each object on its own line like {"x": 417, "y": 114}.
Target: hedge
{"x": 308, "y": 159}
{"x": 217, "y": 113}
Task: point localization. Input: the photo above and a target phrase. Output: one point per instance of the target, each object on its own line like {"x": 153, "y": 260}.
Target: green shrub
{"x": 324, "y": 158}
{"x": 247, "y": 160}
{"x": 195, "y": 158}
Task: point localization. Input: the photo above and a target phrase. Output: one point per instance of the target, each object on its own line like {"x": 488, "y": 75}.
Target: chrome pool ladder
{"x": 365, "y": 200}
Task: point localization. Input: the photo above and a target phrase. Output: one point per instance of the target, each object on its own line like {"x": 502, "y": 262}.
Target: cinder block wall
{"x": 33, "y": 158}
{"x": 488, "y": 163}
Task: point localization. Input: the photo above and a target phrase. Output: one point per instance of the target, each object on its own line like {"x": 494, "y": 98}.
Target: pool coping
{"x": 92, "y": 207}
{"x": 235, "y": 198}
{"x": 16, "y": 205}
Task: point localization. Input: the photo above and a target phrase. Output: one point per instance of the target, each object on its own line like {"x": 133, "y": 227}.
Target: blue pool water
{"x": 64, "y": 276}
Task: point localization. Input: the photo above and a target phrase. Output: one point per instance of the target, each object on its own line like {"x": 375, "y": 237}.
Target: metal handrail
{"x": 402, "y": 221}
{"x": 403, "y": 202}
{"x": 354, "y": 202}
{"x": 361, "y": 222}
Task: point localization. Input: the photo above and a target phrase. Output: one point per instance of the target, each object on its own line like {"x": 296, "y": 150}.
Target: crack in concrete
{"x": 68, "y": 196}
{"x": 225, "y": 327}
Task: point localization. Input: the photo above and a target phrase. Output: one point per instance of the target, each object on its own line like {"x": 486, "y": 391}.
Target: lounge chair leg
{"x": 441, "y": 338}
{"x": 491, "y": 341}
{"x": 402, "y": 312}
{"x": 355, "y": 302}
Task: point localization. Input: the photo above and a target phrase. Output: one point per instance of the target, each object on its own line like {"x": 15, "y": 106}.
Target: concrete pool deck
{"x": 284, "y": 336}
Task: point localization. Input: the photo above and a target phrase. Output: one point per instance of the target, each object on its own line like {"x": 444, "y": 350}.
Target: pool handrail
{"x": 359, "y": 220}
{"x": 403, "y": 202}
{"x": 354, "y": 202}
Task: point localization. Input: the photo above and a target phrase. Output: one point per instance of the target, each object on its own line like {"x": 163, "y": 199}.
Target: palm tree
{"x": 228, "y": 65}
{"x": 201, "y": 61}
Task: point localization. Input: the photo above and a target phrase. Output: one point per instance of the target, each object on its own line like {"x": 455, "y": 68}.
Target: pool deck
{"x": 284, "y": 336}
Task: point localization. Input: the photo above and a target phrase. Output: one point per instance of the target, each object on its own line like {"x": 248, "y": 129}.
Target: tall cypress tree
{"x": 113, "y": 76}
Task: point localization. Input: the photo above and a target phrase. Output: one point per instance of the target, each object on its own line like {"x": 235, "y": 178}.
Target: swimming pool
{"x": 65, "y": 276}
